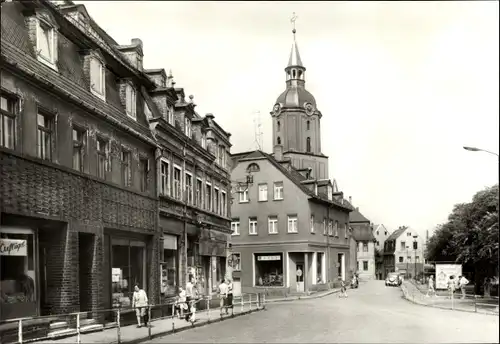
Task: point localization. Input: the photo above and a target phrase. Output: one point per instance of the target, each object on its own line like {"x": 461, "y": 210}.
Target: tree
{"x": 470, "y": 236}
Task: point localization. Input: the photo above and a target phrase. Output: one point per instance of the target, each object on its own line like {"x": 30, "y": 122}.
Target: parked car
{"x": 393, "y": 279}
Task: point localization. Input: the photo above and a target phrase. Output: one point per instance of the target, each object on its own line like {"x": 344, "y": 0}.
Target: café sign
{"x": 13, "y": 247}
{"x": 266, "y": 258}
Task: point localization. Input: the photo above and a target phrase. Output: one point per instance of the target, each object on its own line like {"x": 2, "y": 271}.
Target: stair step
{"x": 86, "y": 322}
{"x": 58, "y": 325}
{"x": 91, "y": 328}
{"x": 68, "y": 331}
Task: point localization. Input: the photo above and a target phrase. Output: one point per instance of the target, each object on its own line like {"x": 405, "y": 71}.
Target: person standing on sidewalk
{"x": 190, "y": 294}
{"x": 462, "y": 282}
{"x": 223, "y": 289}
{"x": 229, "y": 293}
{"x": 139, "y": 303}
{"x": 430, "y": 289}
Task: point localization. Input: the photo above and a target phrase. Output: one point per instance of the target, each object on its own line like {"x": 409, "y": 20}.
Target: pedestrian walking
{"x": 223, "y": 289}
{"x": 431, "y": 289}
{"x": 343, "y": 288}
{"x": 229, "y": 293}
{"x": 180, "y": 303}
{"x": 451, "y": 286}
{"x": 462, "y": 282}
{"x": 190, "y": 294}
{"x": 139, "y": 303}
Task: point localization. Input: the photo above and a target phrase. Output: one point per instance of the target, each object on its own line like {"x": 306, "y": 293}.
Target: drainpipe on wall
{"x": 185, "y": 210}
{"x": 328, "y": 275}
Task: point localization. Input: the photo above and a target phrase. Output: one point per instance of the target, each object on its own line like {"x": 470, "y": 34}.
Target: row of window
{"x": 182, "y": 186}
{"x": 408, "y": 259}
{"x": 272, "y": 225}
{"x": 46, "y": 38}
{"x": 46, "y": 129}
{"x": 308, "y": 125}
{"x": 292, "y": 226}
{"x": 263, "y": 193}
{"x": 332, "y": 228}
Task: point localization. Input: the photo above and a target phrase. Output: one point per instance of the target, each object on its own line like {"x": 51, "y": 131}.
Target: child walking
{"x": 343, "y": 288}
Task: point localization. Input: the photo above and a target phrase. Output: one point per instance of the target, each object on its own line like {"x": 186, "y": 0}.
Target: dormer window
{"x": 204, "y": 140}
{"x": 97, "y": 78}
{"x": 46, "y": 43}
{"x": 187, "y": 127}
{"x": 130, "y": 101}
{"x": 170, "y": 115}
{"x": 330, "y": 192}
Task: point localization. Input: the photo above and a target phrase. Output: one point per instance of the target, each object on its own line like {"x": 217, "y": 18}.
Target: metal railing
{"x": 450, "y": 299}
{"x": 205, "y": 309}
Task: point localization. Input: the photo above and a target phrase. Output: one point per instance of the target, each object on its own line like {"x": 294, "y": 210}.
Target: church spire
{"x": 294, "y": 60}
{"x": 295, "y": 70}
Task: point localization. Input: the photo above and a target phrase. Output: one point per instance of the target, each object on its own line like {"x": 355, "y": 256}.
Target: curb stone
{"x": 296, "y": 298}
{"x": 187, "y": 328}
{"x": 406, "y": 297}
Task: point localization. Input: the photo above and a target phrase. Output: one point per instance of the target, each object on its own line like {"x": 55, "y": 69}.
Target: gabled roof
{"x": 291, "y": 173}
{"x": 356, "y": 217}
{"x": 362, "y": 232}
{"x": 396, "y": 234}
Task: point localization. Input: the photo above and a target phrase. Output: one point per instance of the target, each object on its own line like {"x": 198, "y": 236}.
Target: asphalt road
{"x": 371, "y": 314}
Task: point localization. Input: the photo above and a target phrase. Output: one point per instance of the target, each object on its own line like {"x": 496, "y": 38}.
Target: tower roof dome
{"x": 294, "y": 97}
{"x": 295, "y": 94}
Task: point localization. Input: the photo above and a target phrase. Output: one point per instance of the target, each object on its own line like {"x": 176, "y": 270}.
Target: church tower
{"x": 296, "y": 120}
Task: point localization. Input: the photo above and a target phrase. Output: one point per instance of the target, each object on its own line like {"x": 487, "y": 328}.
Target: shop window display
{"x": 18, "y": 297}
{"x": 269, "y": 270}
{"x": 319, "y": 268}
{"x": 128, "y": 268}
{"x": 169, "y": 266}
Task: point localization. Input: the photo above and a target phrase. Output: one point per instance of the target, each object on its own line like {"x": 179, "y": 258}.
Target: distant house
{"x": 365, "y": 242}
{"x": 404, "y": 252}
{"x": 381, "y": 234}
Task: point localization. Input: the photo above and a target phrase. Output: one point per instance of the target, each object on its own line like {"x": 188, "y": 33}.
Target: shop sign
{"x": 266, "y": 258}
{"x": 13, "y": 247}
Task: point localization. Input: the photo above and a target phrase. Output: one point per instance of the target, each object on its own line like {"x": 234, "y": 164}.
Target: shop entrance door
{"x": 299, "y": 273}
{"x": 85, "y": 276}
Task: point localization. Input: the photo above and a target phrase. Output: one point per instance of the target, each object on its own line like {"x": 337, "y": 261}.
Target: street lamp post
{"x": 474, "y": 149}
{"x": 415, "y": 259}
{"x": 407, "y": 255}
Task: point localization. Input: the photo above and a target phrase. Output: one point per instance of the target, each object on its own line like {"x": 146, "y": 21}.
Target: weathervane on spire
{"x": 292, "y": 20}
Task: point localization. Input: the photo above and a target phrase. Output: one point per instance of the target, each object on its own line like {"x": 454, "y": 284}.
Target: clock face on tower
{"x": 309, "y": 108}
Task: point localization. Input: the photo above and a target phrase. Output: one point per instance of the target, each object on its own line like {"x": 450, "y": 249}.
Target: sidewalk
{"x": 485, "y": 306}
{"x": 313, "y": 295}
{"x": 159, "y": 327}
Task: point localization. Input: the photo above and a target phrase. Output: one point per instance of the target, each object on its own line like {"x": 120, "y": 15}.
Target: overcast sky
{"x": 402, "y": 87}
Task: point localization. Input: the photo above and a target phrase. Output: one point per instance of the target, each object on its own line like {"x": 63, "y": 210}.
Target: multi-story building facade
{"x": 365, "y": 244}
{"x": 194, "y": 189}
{"x": 381, "y": 233}
{"x": 290, "y": 226}
{"x": 403, "y": 252}
{"x": 100, "y": 163}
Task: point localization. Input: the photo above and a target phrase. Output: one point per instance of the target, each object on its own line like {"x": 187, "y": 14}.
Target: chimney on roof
{"x": 350, "y": 199}
{"x": 133, "y": 53}
{"x": 278, "y": 152}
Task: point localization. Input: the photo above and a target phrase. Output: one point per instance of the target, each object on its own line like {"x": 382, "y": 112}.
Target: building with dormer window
{"x": 105, "y": 170}
{"x": 290, "y": 225}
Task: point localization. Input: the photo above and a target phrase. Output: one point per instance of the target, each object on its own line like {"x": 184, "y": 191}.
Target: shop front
{"x": 269, "y": 269}
{"x": 19, "y": 282}
{"x": 169, "y": 267}
{"x": 212, "y": 250}
{"x": 126, "y": 264}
